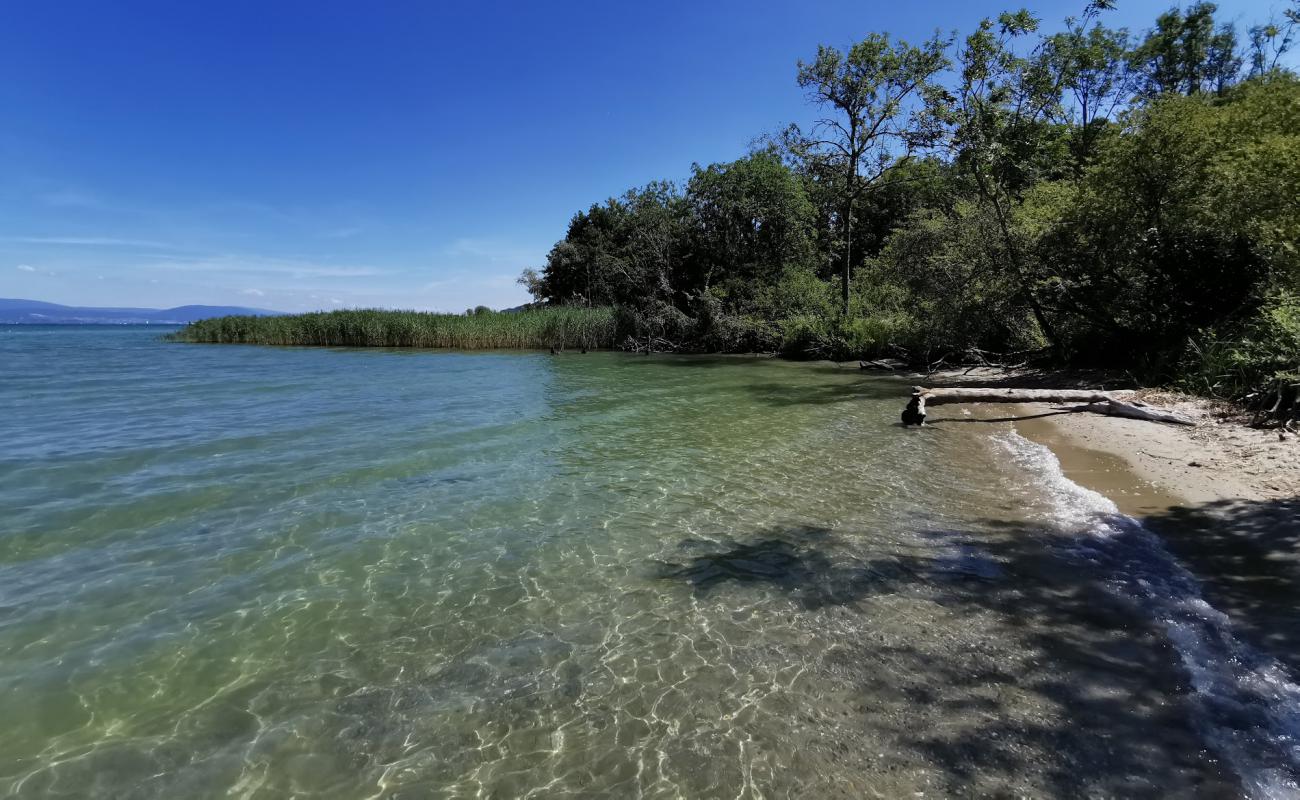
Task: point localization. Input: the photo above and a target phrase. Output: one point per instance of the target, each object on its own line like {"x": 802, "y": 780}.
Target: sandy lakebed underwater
{"x": 277, "y": 572}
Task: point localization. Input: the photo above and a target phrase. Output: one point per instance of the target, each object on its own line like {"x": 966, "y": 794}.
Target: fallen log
{"x": 1093, "y": 400}
{"x": 891, "y": 364}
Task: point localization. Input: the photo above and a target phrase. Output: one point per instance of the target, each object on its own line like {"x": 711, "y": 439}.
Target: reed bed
{"x": 541, "y": 328}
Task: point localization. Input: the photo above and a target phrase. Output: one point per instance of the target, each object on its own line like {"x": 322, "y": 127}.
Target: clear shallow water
{"x": 266, "y": 572}
{"x": 1245, "y": 704}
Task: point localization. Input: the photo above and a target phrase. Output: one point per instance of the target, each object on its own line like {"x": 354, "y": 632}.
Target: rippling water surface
{"x": 269, "y": 572}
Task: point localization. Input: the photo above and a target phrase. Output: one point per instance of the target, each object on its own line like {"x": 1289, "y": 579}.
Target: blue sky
{"x": 296, "y": 155}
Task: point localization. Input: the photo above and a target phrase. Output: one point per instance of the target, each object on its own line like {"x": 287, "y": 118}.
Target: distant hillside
{"x": 35, "y": 312}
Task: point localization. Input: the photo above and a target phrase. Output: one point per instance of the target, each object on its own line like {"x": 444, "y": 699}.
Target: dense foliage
{"x": 1089, "y": 196}
{"x": 1092, "y": 194}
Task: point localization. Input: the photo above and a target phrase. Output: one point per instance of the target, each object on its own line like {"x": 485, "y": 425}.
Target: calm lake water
{"x": 274, "y": 572}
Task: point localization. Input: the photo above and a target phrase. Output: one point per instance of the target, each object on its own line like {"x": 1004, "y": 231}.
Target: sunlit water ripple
{"x": 275, "y": 572}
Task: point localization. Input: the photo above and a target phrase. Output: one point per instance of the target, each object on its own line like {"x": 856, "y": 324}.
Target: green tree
{"x": 534, "y": 282}
{"x": 1187, "y": 53}
{"x": 580, "y": 266}
{"x": 1089, "y": 59}
{"x": 752, "y": 219}
{"x": 622, "y": 252}
{"x": 952, "y": 266}
{"x": 872, "y": 124}
{"x": 998, "y": 122}
{"x": 1184, "y": 223}
{"x": 1272, "y": 40}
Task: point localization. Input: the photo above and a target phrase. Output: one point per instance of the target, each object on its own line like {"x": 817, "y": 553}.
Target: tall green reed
{"x": 559, "y": 327}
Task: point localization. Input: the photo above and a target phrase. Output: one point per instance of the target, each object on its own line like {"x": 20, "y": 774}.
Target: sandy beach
{"x": 1143, "y": 466}
{"x": 1219, "y": 459}
{"x": 1223, "y": 497}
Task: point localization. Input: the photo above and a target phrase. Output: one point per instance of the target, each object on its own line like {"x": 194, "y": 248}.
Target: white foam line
{"x": 1247, "y": 706}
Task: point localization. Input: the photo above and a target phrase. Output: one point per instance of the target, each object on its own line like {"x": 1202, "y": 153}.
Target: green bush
{"x": 1246, "y": 363}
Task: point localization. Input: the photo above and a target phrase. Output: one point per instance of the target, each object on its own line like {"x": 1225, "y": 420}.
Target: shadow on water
{"x": 705, "y": 360}
{"x": 828, "y": 392}
{"x": 995, "y": 660}
{"x": 1247, "y": 556}
{"x": 1034, "y": 675}
{"x": 794, "y": 560}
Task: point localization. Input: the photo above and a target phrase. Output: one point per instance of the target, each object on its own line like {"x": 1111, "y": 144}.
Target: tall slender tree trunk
{"x": 848, "y": 257}
{"x": 848, "y": 219}
{"x": 1013, "y": 255}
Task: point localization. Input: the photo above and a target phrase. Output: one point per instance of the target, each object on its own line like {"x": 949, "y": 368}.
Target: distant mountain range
{"x": 34, "y": 312}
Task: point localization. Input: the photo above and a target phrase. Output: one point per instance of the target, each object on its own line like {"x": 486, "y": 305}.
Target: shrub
{"x": 1253, "y": 362}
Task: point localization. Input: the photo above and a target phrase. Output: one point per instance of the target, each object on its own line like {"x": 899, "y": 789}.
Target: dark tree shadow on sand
{"x": 1247, "y": 557}
{"x": 1037, "y": 679}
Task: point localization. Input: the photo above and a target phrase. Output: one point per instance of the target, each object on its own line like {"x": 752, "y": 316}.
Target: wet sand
{"x": 1203, "y": 618}
{"x": 1143, "y": 467}
{"x": 1224, "y": 498}
{"x": 1090, "y": 452}
{"x": 1217, "y": 460}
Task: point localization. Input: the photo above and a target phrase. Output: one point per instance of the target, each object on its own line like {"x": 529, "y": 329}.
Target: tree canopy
{"x": 1096, "y": 194}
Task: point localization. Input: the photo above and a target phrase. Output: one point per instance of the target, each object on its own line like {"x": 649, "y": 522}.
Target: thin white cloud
{"x": 468, "y": 247}
{"x": 35, "y": 270}
{"x": 342, "y": 233}
{"x": 254, "y": 292}
{"x": 255, "y": 265}
{"x": 86, "y": 241}
{"x": 488, "y": 250}
{"x": 70, "y": 198}
{"x": 260, "y": 210}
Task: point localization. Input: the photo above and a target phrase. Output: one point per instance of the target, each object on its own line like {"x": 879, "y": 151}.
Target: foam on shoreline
{"x": 1247, "y": 706}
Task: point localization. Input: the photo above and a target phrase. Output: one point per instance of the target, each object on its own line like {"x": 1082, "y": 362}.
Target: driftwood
{"x": 1093, "y": 400}
{"x": 890, "y": 364}
{"x": 649, "y": 344}
{"x": 1280, "y": 404}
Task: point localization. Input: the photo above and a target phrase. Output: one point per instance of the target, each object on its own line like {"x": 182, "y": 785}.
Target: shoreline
{"x": 1223, "y": 498}
{"x": 1216, "y": 461}
{"x": 1145, "y": 467}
